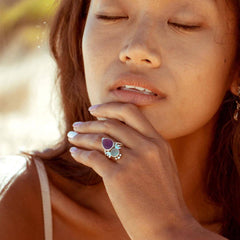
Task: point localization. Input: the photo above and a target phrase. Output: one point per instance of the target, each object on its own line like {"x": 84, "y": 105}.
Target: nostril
{"x": 147, "y": 60}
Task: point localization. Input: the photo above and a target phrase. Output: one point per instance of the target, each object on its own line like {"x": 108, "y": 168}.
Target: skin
{"x": 168, "y": 139}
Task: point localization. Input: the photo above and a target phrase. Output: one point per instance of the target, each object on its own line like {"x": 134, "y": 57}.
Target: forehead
{"x": 154, "y": 6}
{"x": 152, "y": 2}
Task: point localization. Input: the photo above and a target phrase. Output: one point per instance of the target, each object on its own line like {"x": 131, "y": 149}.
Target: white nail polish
{"x": 72, "y": 134}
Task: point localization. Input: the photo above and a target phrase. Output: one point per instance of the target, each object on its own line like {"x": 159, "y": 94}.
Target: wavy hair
{"x": 222, "y": 175}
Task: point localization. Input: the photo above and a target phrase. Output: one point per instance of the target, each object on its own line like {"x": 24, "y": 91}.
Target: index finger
{"x": 127, "y": 113}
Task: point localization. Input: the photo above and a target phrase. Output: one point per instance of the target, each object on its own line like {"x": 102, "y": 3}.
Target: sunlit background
{"x": 28, "y": 110}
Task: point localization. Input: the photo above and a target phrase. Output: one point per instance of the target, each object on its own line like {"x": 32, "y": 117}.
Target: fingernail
{"x": 77, "y": 124}
{"x": 72, "y": 134}
{"x": 92, "y": 108}
{"x": 73, "y": 150}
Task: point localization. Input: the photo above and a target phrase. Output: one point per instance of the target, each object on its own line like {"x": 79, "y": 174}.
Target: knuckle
{"x": 97, "y": 139}
{"x": 92, "y": 155}
{"x": 109, "y": 124}
{"x": 117, "y": 175}
{"x": 151, "y": 145}
{"x": 128, "y": 108}
{"x": 87, "y": 124}
{"x": 151, "y": 148}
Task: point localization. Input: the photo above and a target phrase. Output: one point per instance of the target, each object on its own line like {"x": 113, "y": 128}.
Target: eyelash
{"x": 111, "y": 18}
{"x": 185, "y": 27}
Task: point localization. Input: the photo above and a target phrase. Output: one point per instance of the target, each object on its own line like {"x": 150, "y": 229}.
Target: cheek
{"x": 91, "y": 51}
{"x": 94, "y": 62}
{"x": 199, "y": 88}
{"x": 178, "y": 116}
{"x": 201, "y": 73}
{"x": 98, "y": 45}
{"x": 100, "y": 55}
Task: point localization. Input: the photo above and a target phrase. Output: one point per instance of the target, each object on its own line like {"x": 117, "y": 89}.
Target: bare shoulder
{"x": 20, "y": 199}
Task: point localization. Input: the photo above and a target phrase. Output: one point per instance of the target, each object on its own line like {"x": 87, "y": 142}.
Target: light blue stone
{"x": 114, "y": 152}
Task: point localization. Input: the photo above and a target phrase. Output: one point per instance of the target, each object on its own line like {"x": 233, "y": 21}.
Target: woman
{"x": 156, "y": 156}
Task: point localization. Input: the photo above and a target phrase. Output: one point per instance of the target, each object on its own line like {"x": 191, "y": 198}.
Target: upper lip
{"x": 136, "y": 80}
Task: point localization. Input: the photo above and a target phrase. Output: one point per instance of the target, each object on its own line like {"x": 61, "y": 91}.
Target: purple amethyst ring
{"x": 111, "y": 148}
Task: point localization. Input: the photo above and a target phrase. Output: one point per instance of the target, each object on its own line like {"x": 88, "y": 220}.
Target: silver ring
{"x": 111, "y": 148}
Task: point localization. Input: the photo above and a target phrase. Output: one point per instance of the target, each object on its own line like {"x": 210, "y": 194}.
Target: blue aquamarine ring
{"x": 111, "y": 148}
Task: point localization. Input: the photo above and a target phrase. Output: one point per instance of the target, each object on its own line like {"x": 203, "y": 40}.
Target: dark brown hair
{"x": 223, "y": 166}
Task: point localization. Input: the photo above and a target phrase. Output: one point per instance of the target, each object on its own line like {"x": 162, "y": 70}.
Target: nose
{"x": 139, "y": 52}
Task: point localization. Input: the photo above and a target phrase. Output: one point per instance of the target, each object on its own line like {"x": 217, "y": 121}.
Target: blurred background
{"x": 28, "y": 110}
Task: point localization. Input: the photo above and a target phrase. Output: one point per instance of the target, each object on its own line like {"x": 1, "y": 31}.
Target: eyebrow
{"x": 213, "y": 1}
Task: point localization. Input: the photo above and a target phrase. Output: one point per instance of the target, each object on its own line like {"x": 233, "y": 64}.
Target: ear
{"x": 235, "y": 84}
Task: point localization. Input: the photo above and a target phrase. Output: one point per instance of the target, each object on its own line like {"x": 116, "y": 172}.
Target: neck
{"x": 191, "y": 154}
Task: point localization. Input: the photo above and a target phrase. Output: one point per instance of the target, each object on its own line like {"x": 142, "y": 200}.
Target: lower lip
{"x": 139, "y": 99}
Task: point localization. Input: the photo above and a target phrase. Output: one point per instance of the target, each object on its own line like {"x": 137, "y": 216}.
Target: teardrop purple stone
{"x": 107, "y": 143}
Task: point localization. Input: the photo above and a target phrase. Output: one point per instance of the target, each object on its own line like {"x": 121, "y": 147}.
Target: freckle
{"x": 225, "y": 60}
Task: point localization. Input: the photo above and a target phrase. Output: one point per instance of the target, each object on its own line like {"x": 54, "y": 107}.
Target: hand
{"x": 143, "y": 185}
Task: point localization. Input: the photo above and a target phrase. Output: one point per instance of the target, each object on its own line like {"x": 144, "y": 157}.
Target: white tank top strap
{"x": 46, "y": 200}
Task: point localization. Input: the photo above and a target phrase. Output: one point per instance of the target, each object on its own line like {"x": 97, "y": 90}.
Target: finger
{"x": 95, "y": 160}
{"x": 128, "y": 113}
{"x": 111, "y": 127}
{"x": 88, "y": 141}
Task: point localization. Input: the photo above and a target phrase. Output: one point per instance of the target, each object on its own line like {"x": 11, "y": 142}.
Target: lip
{"x": 140, "y": 99}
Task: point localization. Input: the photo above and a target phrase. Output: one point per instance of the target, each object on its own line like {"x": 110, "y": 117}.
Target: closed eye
{"x": 110, "y": 18}
{"x": 185, "y": 27}
{"x": 177, "y": 25}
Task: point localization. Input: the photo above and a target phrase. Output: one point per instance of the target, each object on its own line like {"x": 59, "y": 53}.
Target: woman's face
{"x": 188, "y": 68}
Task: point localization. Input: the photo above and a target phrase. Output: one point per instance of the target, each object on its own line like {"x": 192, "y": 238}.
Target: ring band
{"x": 111, "y": 148}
